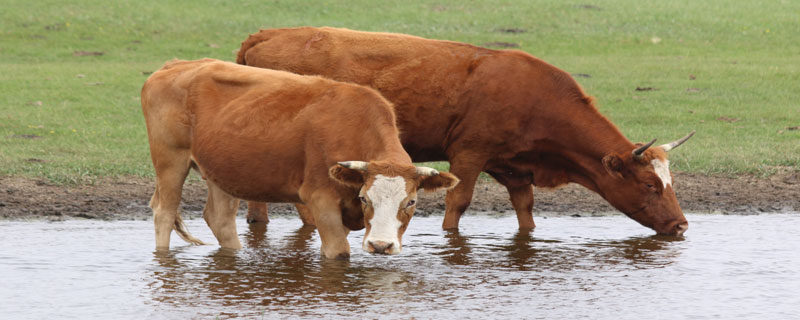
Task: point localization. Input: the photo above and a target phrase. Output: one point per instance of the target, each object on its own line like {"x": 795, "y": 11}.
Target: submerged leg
{"x": 458, "y": 199}
{"x": 332, "y": 232}
{"x": 220, "y": 215}
{"x": 257, "y": 212}
{"x": 172, "y": 167}
{"x": 522, "y": 200}
{"x": 520, "y": 191}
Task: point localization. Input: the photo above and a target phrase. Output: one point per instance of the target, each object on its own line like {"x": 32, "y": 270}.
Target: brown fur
{"x": 504, "y": 112}
{"x": 265, "y": 135}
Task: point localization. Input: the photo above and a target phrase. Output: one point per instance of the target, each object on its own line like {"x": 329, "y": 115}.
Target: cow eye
{"x": 411, "y": 203}
{"x": 363, "y": 200}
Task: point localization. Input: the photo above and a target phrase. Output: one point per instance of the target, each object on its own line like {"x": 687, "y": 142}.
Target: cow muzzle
{"x": 676, "y": 228}
{"x": 381, "y": 247}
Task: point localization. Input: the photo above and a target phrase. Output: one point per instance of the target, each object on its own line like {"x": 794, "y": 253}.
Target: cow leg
{"x": 520, "y": 191}
{"x": 257, "y": 212}
{"x": 522, "y": 200}
{"x": 458, "y": 199}
{"x": 332, "y": 231}
{"x": 172, "y": 167}
{"x": 305, "y": 214}
{"x": 220, "y": 215}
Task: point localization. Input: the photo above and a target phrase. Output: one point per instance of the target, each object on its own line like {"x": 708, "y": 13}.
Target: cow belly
{"x": 253, "y": 177}
{"x": 254, "y": 188}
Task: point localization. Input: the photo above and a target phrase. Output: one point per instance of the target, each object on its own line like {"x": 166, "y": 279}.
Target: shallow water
{"x": 726, "y": 267}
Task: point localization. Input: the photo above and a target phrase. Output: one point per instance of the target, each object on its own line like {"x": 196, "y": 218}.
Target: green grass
{"x": 745, "y": 56}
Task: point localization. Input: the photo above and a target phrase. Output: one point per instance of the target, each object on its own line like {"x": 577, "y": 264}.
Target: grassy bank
{"x": 70, "y": 73}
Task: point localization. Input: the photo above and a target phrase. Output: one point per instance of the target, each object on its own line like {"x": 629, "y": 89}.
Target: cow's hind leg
{"x": 522, "y": 200}
{"x": 520, "y": 191}
{"x": 220, "y": 215}
{"x": 257, "y": 212}
{"x": 171, "y": 171}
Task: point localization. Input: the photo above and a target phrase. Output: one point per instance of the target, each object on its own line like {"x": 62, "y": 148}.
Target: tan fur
{"x": 503, "y": 112}
{"x": 264, "y": 135}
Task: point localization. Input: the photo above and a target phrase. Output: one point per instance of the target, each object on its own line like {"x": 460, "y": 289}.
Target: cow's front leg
{"x": 305, "y": 214}
{"x": 522, "y": 200}
{"x": 458, "y": 199}
{"x": 257, "y": 212}
{"x": 332, "y": 232}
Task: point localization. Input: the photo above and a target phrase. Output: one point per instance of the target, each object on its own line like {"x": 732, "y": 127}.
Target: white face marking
{"x": 662, "y": 171}
{"x": 386, "y": 194}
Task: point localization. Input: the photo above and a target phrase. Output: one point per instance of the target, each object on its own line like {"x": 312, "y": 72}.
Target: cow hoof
{"x": 343, "y": 256}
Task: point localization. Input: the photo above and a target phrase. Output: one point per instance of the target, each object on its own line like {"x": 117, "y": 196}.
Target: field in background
{"x": 70, "y": 73}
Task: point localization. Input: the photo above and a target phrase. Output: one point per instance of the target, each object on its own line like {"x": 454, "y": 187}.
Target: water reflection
{"x": 637, "y": 252}
{"x": 520, "y": 251}
{"x": 523, "y": 251}
{"x": 283, "y": 272}
{"x": 569, "y": 268}
{"x": 457, "y": 250}
{"x": 271, "y": 274}
{"x": 256, "y": 235}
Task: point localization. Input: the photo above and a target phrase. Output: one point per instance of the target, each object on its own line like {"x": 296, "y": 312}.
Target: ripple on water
{"x": 726, "y": 267}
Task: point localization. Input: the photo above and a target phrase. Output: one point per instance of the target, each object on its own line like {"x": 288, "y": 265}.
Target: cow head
{"x": 388, "y": 195}
{"x": 640, "y": 185}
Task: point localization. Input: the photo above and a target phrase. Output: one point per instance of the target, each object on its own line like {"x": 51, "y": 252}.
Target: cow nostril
{"x": 380, "y": 246}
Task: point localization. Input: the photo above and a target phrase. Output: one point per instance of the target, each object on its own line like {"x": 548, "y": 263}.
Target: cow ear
{"x": 346, "y": 176}
{"x": 613, "y": 165}
{"x": 443, "y": 180}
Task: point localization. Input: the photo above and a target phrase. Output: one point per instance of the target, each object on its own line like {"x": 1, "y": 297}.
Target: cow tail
{"x": 180, "y": 229}
{"x": 251, "y": 41}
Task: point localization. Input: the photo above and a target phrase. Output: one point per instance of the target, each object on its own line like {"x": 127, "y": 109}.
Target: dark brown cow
{"x": 266, "y": 135}
{"x": 504, "y": 112}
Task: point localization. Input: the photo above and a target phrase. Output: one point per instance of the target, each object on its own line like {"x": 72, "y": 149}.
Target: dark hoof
{"x": 254, "y": 221}
{"x": 343, "y": 256}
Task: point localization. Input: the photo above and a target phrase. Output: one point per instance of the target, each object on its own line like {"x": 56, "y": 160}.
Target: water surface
{"x": 726, "y": 267}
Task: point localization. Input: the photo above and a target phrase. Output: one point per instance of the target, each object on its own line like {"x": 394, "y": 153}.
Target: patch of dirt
{"x": 499, "y": 44}
{"x": 88, "y": 53}
{"x": 727, "y": 119}
{"x": 127, "y": 199}
{"x": 511, "y": 30}
{"x": 590, "y": 7}
{"x": 25, "y": 136}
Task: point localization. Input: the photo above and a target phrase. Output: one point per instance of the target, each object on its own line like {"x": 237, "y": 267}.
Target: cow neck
{"x": 590, "y": 140}
{"x": 392, "y": 156}
{"x": 388, "y": 149}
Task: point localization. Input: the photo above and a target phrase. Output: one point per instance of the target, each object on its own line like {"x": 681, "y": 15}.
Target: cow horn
{"x": 425, "y": 171}
{"x": 355, "y": 165}
{"x": 637, "y": 153}
{"x": 674, "y": 144}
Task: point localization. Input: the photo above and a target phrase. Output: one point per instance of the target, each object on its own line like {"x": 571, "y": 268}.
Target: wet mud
{"x": 127, "y": 199}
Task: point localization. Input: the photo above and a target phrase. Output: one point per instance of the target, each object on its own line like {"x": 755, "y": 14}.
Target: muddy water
{"x": 726, "y": 267}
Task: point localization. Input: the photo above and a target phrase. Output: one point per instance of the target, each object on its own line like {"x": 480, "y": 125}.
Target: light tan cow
{"x": 265, "y": 135}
